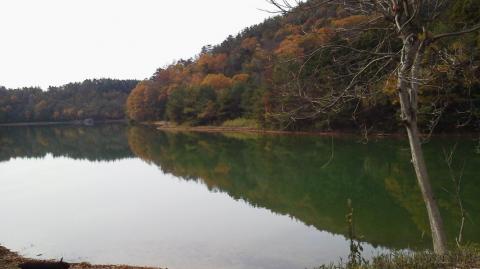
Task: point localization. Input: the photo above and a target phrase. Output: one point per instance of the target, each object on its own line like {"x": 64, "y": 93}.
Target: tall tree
{"x": 399, "y": 32}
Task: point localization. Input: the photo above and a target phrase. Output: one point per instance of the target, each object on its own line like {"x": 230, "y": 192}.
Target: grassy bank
{"x": 467, "y": 258}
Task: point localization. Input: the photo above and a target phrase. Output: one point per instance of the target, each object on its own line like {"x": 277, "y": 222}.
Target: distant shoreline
{"x": 165, "y": 126}
{"x": 162, "y": 126}
{"x": 54, "y": 123}
{"x": 220, "y": 129}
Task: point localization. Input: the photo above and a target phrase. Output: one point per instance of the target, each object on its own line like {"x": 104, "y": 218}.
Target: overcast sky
{"x": 53, "y": 42}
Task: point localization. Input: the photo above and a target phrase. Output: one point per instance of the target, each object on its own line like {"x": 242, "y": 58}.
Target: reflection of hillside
{"x": 287, "y": 175}
{"x": 99, "y": 143}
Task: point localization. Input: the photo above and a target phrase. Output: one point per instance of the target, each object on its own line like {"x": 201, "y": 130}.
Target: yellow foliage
{"x": 390, "y": 87}
{"x": 241, "y": 77}
{"x": 217, "y": 81}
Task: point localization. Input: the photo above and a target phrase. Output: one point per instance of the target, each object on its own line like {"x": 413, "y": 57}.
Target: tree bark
{"x": 434, "y": 217}
{"x": 408, "y": 85}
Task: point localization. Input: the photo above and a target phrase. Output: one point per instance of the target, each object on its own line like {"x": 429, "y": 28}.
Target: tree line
{"x": 98, "y": 99}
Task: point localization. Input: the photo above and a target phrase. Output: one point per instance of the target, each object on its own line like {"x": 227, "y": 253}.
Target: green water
{"x": 307, "y": 178}
{"x": 312, "y": 178}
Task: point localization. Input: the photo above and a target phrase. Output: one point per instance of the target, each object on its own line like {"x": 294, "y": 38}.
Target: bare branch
{"x": 467, "y": 31}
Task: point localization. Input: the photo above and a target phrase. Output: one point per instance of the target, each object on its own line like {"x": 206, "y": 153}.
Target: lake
{"x": 114, "y": 194}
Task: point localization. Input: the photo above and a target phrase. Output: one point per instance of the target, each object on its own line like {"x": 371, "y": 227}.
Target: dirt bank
{"x": 11, "y": 260}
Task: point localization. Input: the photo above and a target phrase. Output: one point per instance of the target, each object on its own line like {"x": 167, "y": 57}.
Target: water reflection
{"x": 128, "y": 213}
{"x": 307, "y": 178}
{"x": 288, "y": 175}
{"x": 100, "y": 143}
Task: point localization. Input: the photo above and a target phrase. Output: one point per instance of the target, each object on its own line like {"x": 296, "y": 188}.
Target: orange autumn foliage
{"x": 349, "y": 21}
{"x": 217, "y": 81}
{"x": 290, "y": 47}
{"x": 212, "y": 63}
{"x": 324, "y": 35}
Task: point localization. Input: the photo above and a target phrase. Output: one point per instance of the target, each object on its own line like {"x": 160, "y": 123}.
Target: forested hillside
{"x": 261, "y": 75}
{"x": 102, "y": 99}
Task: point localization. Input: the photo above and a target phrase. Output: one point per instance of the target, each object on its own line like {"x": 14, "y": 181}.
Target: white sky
{"x": 53, "y": 42}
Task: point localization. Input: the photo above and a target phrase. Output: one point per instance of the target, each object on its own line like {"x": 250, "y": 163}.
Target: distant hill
{"x": 98, "y": 99}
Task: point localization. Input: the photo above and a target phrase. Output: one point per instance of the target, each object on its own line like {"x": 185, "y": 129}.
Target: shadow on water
{"x": 307, "y": 178}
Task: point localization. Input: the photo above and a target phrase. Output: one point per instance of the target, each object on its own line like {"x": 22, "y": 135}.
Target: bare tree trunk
{"x": 434, "y": 217}
{"x": 408, "y": 82}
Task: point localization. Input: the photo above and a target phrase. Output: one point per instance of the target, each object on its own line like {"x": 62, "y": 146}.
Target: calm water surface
{"x": 131, "y": 195}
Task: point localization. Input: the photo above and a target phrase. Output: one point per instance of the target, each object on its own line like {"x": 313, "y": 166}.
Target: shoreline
{"x": 163, "y": 126}
{"x": 11, "y": 260}
{"x": 221, "y": 129}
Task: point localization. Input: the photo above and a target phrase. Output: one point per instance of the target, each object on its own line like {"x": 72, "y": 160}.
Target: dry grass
{"x": 466, "y": 258}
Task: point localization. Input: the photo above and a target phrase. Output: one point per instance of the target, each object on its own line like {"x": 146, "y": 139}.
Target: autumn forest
{"x": 258, "y": 77}
{"x": 334, "y": 133}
